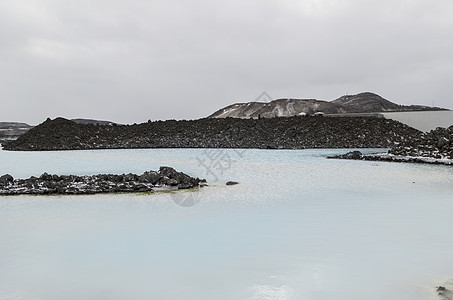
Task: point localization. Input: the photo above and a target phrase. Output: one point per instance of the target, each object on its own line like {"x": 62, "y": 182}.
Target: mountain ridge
{"x": 365, "y": 102}
{"x": 92, "y": 121}
{"x": 12, "y": 130}
{"x": 14, "y": 124}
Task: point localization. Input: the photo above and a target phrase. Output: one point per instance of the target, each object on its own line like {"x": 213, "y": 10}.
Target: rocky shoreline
{"x": 264, "y": 133}
{"x": 357, "y": 155}
{"x": 437, "y": 144}
{"x": 166, "y": 179}
{"x": 434, "y": 147}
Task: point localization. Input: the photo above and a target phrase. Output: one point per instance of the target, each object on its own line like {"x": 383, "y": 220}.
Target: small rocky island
{"x": 435, "y": 147}
{"x": 166, "y": 179}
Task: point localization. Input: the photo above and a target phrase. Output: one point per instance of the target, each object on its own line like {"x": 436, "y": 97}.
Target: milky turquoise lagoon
{"x": 298, "y": 226}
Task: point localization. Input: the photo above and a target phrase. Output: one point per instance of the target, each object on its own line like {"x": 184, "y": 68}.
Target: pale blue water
{"x": 298, "y": 226}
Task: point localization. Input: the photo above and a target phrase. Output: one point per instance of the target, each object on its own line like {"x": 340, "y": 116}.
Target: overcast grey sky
{"x": 130, "y": 61}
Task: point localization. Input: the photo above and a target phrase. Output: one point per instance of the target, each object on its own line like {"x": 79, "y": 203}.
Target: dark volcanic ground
{"x": 272, "y": 133}
{"x": 437, "y": 143}
{"x": 434, "y": 147}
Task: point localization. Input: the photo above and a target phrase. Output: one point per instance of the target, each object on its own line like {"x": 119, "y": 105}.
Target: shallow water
{"x": 298, "y": 226}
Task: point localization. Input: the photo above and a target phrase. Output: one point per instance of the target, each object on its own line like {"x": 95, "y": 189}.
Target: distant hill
{"x": 360, "y": 103}
{"x": 13, "y": 124}
{"x": 91, "y": 121}
{"x": 369, "y": 102}
{"x": 10, "y": 131}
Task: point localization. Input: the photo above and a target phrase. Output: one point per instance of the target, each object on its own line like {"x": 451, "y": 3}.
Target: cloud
{"x": 129, "y": 61}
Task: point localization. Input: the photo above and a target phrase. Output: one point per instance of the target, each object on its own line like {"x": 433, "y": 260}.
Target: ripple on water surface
{"x": 298, "y": 226}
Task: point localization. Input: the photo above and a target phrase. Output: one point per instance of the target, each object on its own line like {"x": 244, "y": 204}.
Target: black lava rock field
{"x": 437, "y": 143}
{"x": 267, "y": 133}
{"x": 434, "y": 147}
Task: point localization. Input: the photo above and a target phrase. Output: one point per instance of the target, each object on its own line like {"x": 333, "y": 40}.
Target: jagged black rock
{"x": 166, "y": 178}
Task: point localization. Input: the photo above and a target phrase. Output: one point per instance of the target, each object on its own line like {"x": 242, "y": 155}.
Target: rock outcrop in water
{"x": 357, "y": 155}
{"x": 437, "y": 143}
{"x": 272, "y": 133}
{"x": 435, "y": 147}
{"x": 166, "y": 178}
{"x": 444, "y": 293}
